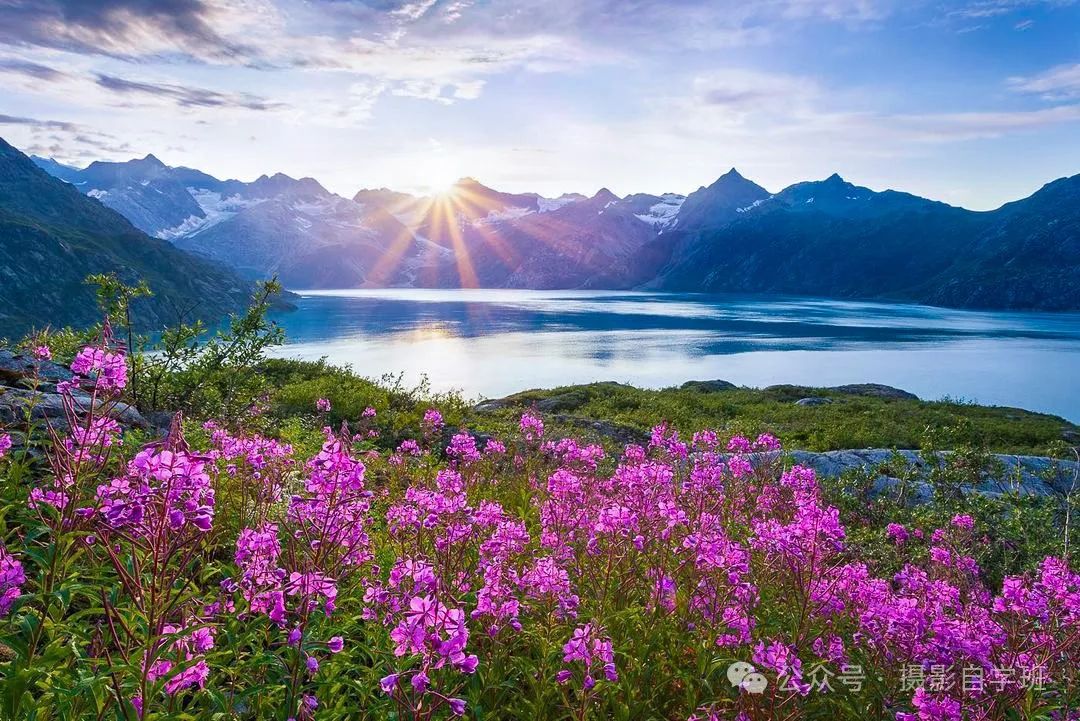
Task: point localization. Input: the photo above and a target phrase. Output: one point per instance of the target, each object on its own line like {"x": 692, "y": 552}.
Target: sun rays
{"x": 464, "y": 220}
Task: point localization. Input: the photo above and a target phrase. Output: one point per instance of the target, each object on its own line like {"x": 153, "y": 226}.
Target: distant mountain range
{"x": 826, "y": 238}
{"x": 52, "y": 237}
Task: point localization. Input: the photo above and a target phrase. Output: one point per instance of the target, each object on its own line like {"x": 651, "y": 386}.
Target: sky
{"x": 974, "y": 102}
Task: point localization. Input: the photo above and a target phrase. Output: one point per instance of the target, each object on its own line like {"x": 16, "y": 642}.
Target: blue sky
{"x": 975, "y": 102}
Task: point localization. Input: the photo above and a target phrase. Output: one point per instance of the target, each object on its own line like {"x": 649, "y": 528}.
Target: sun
{"x": 438, "y": 174}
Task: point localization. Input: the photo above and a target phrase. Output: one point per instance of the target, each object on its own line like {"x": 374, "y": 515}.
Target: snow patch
{"x": 546, "y": 205}
{"x": 663, "y": 214}
{"x": 216, "y": 208}
{"x": 509, "y": 213}
{"x": 750, "y": 207}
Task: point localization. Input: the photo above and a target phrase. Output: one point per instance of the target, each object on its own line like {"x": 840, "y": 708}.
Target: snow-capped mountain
{"x": 828, "y": 237}
{"x": 293, "y": 228}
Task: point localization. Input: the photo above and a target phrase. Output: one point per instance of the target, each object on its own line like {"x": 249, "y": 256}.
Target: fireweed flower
{"x": 594, "y": 651}
{"x": 12, "y": 578}
{"x": 781, "y": 659}
{"x": 164, "y": 492}
{"x": 107, "y": 369}
{"x": 5, "y": 444}
{"x": 42, "y": 352}
{"x": 323, "y": 405}
{"x": 704, "y": 539}
{"x": 532, "y": 428}
{"x": 433, "y": 420}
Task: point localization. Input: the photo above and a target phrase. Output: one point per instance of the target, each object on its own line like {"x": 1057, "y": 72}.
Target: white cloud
{"x": 1057, "y": 83}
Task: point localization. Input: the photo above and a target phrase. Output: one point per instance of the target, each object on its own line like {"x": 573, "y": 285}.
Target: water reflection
{"x": 491, "y": 342}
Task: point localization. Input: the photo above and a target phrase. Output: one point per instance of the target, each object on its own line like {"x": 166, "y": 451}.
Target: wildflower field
{"x": 241, "y": 569}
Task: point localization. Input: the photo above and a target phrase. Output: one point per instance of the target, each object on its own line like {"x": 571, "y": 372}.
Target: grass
{"x": 611, "y": 411}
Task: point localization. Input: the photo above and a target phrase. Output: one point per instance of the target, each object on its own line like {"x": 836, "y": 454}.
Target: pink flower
{"x": 12, "y": 578}
{"x": 531, "y": 427}
{"x": 5, "y": 444}
{"x": 43, "y": 352}
{"x": 963, "y": 521}
{"x": 195, "y": 675}
{"x": 896, "y": 533}
{"x": 433, "y": 420}
{"x": 107, "y": 369}
{"x": 323, "y": 405}
{"x": 389, "y": 683}
{"x": 335, "y": 644}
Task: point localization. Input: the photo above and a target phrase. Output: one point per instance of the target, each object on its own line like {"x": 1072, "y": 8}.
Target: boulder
{"x": 18, "y": 403}
{"x": 569, "y": 401}
{"x": 813, "y": 401}
{"x": 874, "y": 390}
{"x": 708, "y": 386}
{"x": 19, "y": 367}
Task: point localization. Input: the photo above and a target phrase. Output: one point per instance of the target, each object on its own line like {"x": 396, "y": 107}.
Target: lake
{"x": 488, "y": 343}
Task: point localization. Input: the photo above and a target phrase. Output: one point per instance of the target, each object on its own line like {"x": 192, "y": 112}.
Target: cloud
{"x": 841, "y": 10}
{"x": 62, "y": 139}
{"x": 1057, "y": 83}
{"x": 996, "y": 8}
{"x": 32, "y": 70}
{"x": 125, "y": 28}
{"x": 749, "y": 91}
{"x": 187, "y": 97}
{"x": 38, "y": 124}
{"x": 414, "y": 10}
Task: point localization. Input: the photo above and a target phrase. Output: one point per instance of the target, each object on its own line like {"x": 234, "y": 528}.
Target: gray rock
{"x": 708, "y": 386}
{"x": 1029, "y": 475}
{"x": 15, "y": 367}
{"x": 874, "y": 390}
{"x": 16, "y": 404}
{"x": 493, "y": 404}
{"x": 813, "y": 401}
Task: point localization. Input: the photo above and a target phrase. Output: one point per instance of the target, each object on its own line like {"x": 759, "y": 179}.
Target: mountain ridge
{"x": 827, "y": 237}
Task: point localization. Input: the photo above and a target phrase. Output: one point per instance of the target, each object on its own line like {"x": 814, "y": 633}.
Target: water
{"x": 488, "y": 343}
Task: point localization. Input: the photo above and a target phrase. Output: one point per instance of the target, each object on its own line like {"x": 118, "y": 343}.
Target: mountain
{"x": 1027, "y": 256}
{"x": 834, "y": 239}
{"x": 827, "y": 238}
{"x": 52, "y": 237}
{"x": 274, "y": 225}
{"x": 721, "y": 202}
{"x": 308, "y": 236}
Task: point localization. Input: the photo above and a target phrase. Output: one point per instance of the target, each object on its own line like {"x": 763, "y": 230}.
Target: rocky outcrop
{"x": 1029, "y": 475}
{"x": 874, "y": 390}
{"x": 28, "y": 397}
{"x": 708, "y": 386}
{"x": 868, "y": 390}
